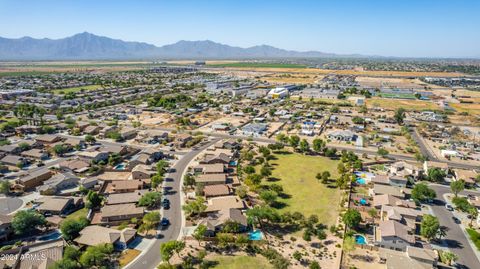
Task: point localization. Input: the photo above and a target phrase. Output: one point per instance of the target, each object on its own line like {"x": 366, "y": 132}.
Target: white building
{"x": 278, "y": 92}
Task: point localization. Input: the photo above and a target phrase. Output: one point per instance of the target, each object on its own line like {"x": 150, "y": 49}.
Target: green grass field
{"x": 25, "y": 73}
{"x": 296, "y": 173}
{"x": 240, "y": 262}
{"x": 78, "y": 214}
{"x": 77, "y": 89}
{"x": 474, "y": 236}
{"x": 258, "y": 65}
{"x": 396, "y": 95}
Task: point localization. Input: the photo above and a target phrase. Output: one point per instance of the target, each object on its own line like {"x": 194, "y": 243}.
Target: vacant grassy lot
{"x": 296, "y": 173}
{"x": 392, "y": 104}
{"x": 258, "y": 65}
{"x": 240, "y": 262}
{"x": 472, "y": 109}
{"x": 77, "y": 89}
{"x": 78, "y": 214}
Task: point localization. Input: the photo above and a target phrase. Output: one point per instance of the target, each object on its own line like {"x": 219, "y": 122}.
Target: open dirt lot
{"x": 234, "y": 122}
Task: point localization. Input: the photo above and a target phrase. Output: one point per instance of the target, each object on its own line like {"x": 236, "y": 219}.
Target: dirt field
{"x": 151, "y": 119}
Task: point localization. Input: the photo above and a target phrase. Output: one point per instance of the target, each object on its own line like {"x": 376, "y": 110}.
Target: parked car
{"x": 449, "y": 207}
{"x": 165, "y": 222}
{"x": 456, "y": 220}
{"x": 166, "y": 203}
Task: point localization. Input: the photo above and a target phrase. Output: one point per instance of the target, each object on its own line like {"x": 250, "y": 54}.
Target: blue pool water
{"x": 360, "y": 239}
{"x": 361, "y": 181}
{"x": 255, "y": 235}
{"x": 363, "y": 201}
{"x": 120, "y": 167}
{"x": 52, "y": 236}
{"x": 233, "y": 163}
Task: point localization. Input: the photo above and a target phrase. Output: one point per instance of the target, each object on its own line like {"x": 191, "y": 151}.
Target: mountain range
{"x": 87, "y": 46}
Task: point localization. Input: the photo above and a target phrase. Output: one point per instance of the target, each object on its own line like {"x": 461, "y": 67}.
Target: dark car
{"x": 165, "y": 222}
{"x": 456, "y": 220}
{"x": 166, "y": 204}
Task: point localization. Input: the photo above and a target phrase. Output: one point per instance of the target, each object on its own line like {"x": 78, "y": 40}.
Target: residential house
{"x": 48, "y": 139}
{"x": 38, "y": 154}
{"x": 5, "y": 227}
{"x": 254, "y": 129}
{"x": 128, "y": 133}
{"x": 216, "y": 168}
{"x": 34, "y": 179}
{"x": 59, "y": 205}
{"x": 183, "y": 139}
{"x": 14, "y": 160}
{"x": 216, "y": 190}
{"x": 340, "y": 135}
{"x": 116, "y": 214}
{"x": 396, "y": 181}
{"x": 122, "y": 186}
{"x": 468, "y": 176}
{"x": 125, "y": 198}
{"x": 221, "y": 158}
{"x": 95, "y": 156}
{"x": 411, "y": 258}
{"x": 387, "y": 199}
{"x": 211, "y": 179}
{"x": 58, "y": 183}
{"x": 94, "y": 235}
{"x": 225, "y": 202}
{"x": 75, "y": 165}
{"x": 142, "y": 172}
{"x": 393, "y": 235}
{"x": 215, "y": 222}
{"x": 76, "y": 143}
{"x": 405, "y": 169}
{"x": 387, "y": 189}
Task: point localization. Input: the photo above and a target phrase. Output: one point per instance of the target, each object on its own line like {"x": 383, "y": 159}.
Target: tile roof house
{"x": 94, "y": 235}
{"x": 387, "y": 199}
{"x": 115, "y": 214}
{"x": 216, "y": 221}
{"x": 14, "y": 160}
{"x": 217, "y": 168}
{"x": 211, "y": 179}
{"x": 125, "y": 198}
{"x": 225, "y": 202}
{"x": 58, "y": 205}
{"x": 220, "y": 158}
{"x": 47, "y": 139}
{"x": 5, "y": 227}
{"x": 38, "y": 154}
{"x": 122, "y": 186}
{"x": 411, "y": 258}
{"x": 387, "y": 189}
{"x": 57, "y": 183}
{"x": 394, "y": 235}
{"x": 216, "y": 190}
{"x": 34, "y": 179}
{"x": 468, "y": 176}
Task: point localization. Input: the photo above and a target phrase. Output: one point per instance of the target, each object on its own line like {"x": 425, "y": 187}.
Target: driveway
{"x": 150, "y": 258}
{"x": 456, "y": 239}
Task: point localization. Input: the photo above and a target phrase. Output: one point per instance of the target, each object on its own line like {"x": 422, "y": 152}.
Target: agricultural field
{"x": 296, "y": 173}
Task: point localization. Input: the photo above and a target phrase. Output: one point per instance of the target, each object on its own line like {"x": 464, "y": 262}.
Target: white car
{"x": 449, "y": 207}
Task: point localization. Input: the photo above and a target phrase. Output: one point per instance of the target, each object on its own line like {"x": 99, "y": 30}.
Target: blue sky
{"x": 415, "y": 28}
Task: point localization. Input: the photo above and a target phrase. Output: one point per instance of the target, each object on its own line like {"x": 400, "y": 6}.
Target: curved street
{"x": 150, "y": 257}
{"x": 456, "y": 239}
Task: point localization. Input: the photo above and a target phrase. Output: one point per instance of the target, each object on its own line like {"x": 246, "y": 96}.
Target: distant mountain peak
{"x": 88, "y": 46}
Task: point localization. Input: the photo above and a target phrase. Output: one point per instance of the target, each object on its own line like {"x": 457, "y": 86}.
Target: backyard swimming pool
{"x": 361, "y": 181}
{"x": 255, "y": 235}
{"x": 120, "y": 167}
{"x": 360, "y": 239}
{"x": 363, "y": 201}
{"x": 52, "y": 236}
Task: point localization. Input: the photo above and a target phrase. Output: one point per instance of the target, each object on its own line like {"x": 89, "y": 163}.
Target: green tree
{"x": 399, "y": 115}
{"x": 26, "y": 222}
{"x": 59, "y": 150}
{"x": 150, "y": 221}
{"x": 167, "y": 249}
{"x": 200, "y": 232}
{"x": 93, "y": 199}
{"x": 269, "y": 197}
{"x": 265, "y": 171}
{"x": 90, "y": 139}
{"x": 5, "y": 186}
{"x": 352, "y": 218}
{"x": 304, "y": 146}
{"x": 429, "y": 227}
{"x": 448, "y": 257}
{"x": 150, "y": 199}
{"x": 318, "y": 145}
{"x": 71, "y": 228}
{"x": 436, "y": 174}
{"x": 249, "y": 169}
{"x": 96, "y": 256}
{"x": 314, "y": 265}
{"x": 421, "y": 193}
{"x": 189, "y": 180}
{"x": 457, "y": 186}
{"x": 156, "y": 180}
{"x": 382, "y": 152}
{"x": 294, "y": 140}
{"x": 195, "y": 207}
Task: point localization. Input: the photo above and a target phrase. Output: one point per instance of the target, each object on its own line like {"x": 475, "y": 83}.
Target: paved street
{"x": 150, "y": 258}
{"x": 456, "y": 240}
